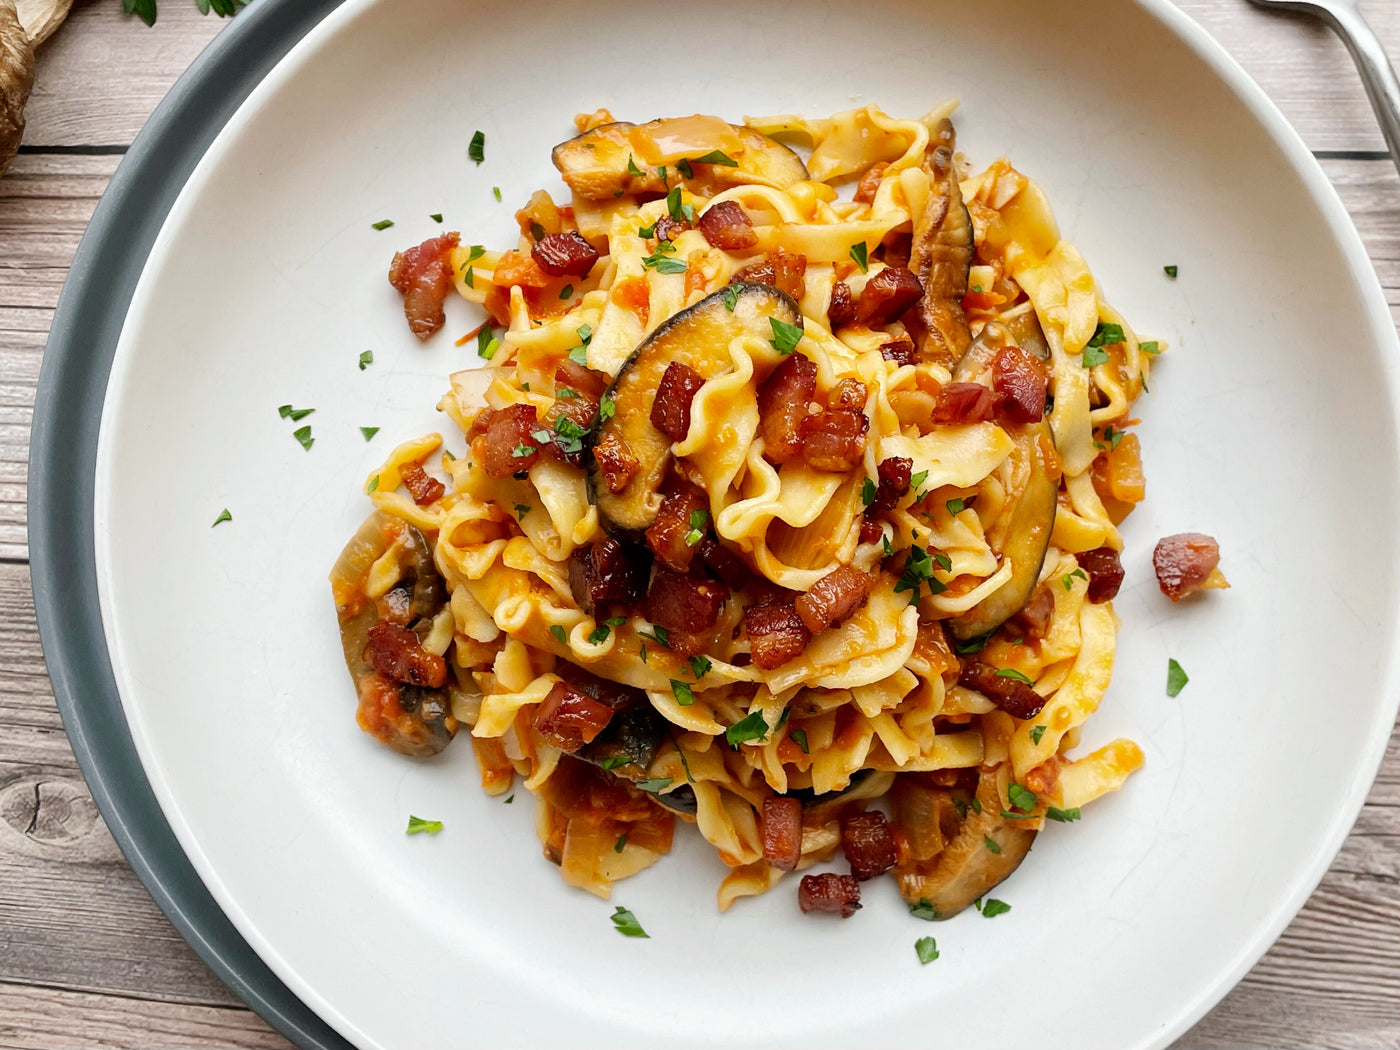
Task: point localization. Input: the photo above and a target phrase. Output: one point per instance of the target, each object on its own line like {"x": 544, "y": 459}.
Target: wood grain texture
{"x": 86, "y": 959}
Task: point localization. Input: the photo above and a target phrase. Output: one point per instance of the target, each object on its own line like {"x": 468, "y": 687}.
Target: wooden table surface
{"x": 86, "y": 959}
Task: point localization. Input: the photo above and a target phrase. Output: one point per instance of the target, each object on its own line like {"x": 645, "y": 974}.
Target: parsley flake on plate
{"x": 477, "y": 149}
{"x": 927, "y": 949}
{"x": 369, "y": 432}
{"x": 224, "y": 516}
{"x": 366, "y": 359}
{"x": 1176, "y": 678}
{"x": 382, "y": 224}
{"x": 626, "y": 923}
{"x": 417, "y": 826}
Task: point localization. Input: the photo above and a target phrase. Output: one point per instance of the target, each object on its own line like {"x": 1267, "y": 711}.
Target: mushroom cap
{"x": 41, "y": 17}
{"x": 16, "y": 79}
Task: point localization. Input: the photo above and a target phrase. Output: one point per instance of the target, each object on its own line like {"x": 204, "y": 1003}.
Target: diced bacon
{"x": 607, "y": 573}
{"x": 726, "y": 226}
{"x": 615, "y": 695}
{"x": 900, "y": 350}
{"x": 394, "y": 651}
{"x": 842, "y": 311}
{"x": 868, "y": 844}
{"x": 723, "y": 563}
{"x": 1186, "y": 563}
{"x": 509, "y": 445}
{"x": 894, "y": 474}
{"x": 837, "y": 894}
{"x": 782, "y": 407}
{"x": 834, "y": 597}
{"x": 887, "y": 295}
{"x": 667, "y": 535}
{"x": 1034, "y": 618}
{"x": 960, "y": 403}
{"x": 580, "y": 379}
{"x": 668, "y": 229}
{"x": 670, "y": 411}
{"x": 423, "y": 275}
{"x": 1021, "y": 378}
{"x": 1105, "y": 572}
{"x": 834, "y": 439}
{"x": 849, "y": 393}
{"x": 568, "y": 719}
{"x": 776, "y": 633}
{"x": 870, "y": 182}
{"x": 782, "y": 832}
{"x": 565, "y": 254}
{"x": 1010, "y": 694}
{"x": 870, "y": 531}
{"x": 684, "y": 603}
{"x": 785, "y": 271}
{"x": 615, "y": 461}
{"x": 421, "y": 485}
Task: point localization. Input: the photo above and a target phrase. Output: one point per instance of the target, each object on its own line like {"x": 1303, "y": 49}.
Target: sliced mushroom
{"x": 16, "y": 80}
{"x": 986, "y": 849}
{"x": 940, "y": 255}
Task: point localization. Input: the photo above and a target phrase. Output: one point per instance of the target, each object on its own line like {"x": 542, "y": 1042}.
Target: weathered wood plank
{"x": 43, "y": 1018}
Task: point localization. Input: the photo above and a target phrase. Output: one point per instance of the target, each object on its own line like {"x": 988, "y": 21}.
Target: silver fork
{"x": 1377, "y": 74}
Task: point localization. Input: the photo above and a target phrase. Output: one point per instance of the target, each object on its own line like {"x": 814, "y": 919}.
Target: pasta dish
{"x": 788, "y": 507}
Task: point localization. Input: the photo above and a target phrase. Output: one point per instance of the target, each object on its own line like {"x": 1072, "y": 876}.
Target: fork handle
{"x": 1377, "y": 74}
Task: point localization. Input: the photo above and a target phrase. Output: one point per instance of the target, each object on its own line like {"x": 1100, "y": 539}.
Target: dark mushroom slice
{"x": 607, "y": 161}
{"x": 940, "y": 256}
{"x": 699, "y": 338}
{"x": 967, "y": 867}
{"x": 1027, "y": 536}
{"x": 404, "y": 714}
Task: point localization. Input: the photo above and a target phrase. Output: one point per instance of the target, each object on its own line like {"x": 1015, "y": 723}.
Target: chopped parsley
{"x": 699, "y": 518}
{"x": 1064, "y": 816}
{"x": 521, "y": 509}
{"x": 659, "y": 261}
{"x": 859, "y": 253}
{"x": 1068, "y": 578}
{"x": 570, "y": 435}
{"x": 626, "y": 923}
{"x": 537, "y": 232}
{"x": 752, "y": 726}
{"x": 956, "y": 505}
{"x": 924, "y": 910}
{"x": 972, "y": 645}
{"x": 678, "y": 211}
{"x": 700, "y": 666}
{"x": 509, "y": 799}
{"x": 382, "y": 224}
{"x": 1107, "y": 335}
{"x": 632, "y": 168}
{"x": 1094, "y": 355}
{"x": 486, "y": 343}
{"x": 975, "y": 804}
{"x": 1023, "y": 798}
{"x": 584, "y": 333}
{"x": 224, "y": 516}
{"x": 918, "y": 479}
{"x": 1011, "y": 672}
{"x": 607, "y": 408}
{"x": 867, "y": 492}
{"x": 885, "y": 539}
{"x": 1176, "y": 678}
{"x": 565, "y": 392}
{"x": 558, "y": 633}
{"x": 303, "y": 435}
{"x": 566, "y": 291}
{"x": 992, "y": 907}
{"x": 991, "y": 843}
{"x": 659, "y": 635}
{"x": 436, "y": 216}
{"x": 799, "y": 737}
{"x": 369, "y": 432}
{"x": 416, "y": 826}
{"x": 654, "y": 785}
{"x": 496, "y": 191}
{"x": 477, "y": 150}
{"x": 785, "y": 336}
{"x": 294, "y": 414}
{"x": 1112, "y": 436}
{"x": 918, "y": 570}
{"x": 731, "y": 297}
{"x": 476, "y": 252}
{"x": 1036, "y": 733}
{"x": 681, "y": 691}
{"x": 373, "y": 484}
{"x": 469, "y": 278}
{"x": 366, "y": 359}
{"x": 579, "y": 356}
{"x": 620, "y": 844}
{"x": 647, "y": 231}
{"x": 927, "y": 949}
{"x": 1170, "y": 271}
{"x": 716, "y": 157}
{"x": 522, "y": 450}
{"x": 1150, "y": 347}
{"x": 599, "y": 634}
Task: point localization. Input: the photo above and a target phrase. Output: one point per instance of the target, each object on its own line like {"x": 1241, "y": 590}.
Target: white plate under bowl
{"x": 1270, "y": 424}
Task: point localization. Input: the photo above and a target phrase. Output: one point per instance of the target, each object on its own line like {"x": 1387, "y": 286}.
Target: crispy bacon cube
{"x": 667, "y": 535}
{"x": 1105, "y": 572}
{"x": 960, "y": 403}
{"x": 842, "y": 311}
{"x": 568, "y": 718}
{"x": 423, "y": 275}
{"x": 726, "y": 226}
{"x": 1010, "y": 694}
{"x": 776, "y": 633}
{"x": 606, "y": 573}
{"x": 670, "y": 411}
{"x": 423, "y": 487}
{"x": 509, "y": 444}
{"x": 868, "y": 844}
{"x": 837, "y": 894}
{"x": 689, "y": 602}
{"x": 564, "y": 254}
{"x": 782, "y": 407}
{"x": 1021, "y": 378}
{"x": 1186, "y": 563}
{"x": 887, "y": 295}
{"x": 832, "y": 598}
{"x": 615, "y": 460}
{"x": 834, "y": 439}
{"x": 786, "y": 271}
{"x": 894, "y": 475}
{"x": 395, "y": 652}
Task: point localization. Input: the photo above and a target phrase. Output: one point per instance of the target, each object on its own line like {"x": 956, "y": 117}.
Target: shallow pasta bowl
{"x": 1269, "y": 417}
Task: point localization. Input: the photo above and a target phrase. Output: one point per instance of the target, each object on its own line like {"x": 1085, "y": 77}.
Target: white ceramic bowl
{"x": 1270, "y": 424}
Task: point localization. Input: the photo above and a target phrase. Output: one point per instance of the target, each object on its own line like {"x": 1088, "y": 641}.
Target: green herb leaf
{"x": 1094, "y": 355}
{"x": 944, "y": 562}
{"x": 476, "y": 252}
{"x": 373, "y": 484}
{"x": 1023, "y": 798}
{"x": 558, "y": 632}
{"x": 1170, "y": 271}
{"x": 731, "y": 297}
{"x": 700, "y": 666}
{"x": 859, "y": 253}
{"x": 867, "y": 492}
{"x": 1036, "y": 733}
{"x": 647, "y": 231}
{"x": 477, "y": 150}
{"x": 579, "y": 355}
{"x": 626, "y": 923}
{"x": 294, "y": 414}
{"x": 661, "y": 172}
{"x": 924, "y": 910}
{"x": 509, "y": 799}
{"x": 496, "y": 191}
{"x": 382, "y": 224}
{"x": 661, "y": 263}
{"x": 927, "y": 949}
{"x": 1150, "y": 347}
{"x": 991, "y": 843}
{"x": 1112, "y": 436}
{"x": 632, "y": 168}
{"x": 659, "y": 635}
{"x": 785, "y": 336}
{"x": 417, "y": 825}
{"x": 682, "y": 692}
{"x": 522, "y": 450}
{"x": 366, "y": 359}
{"x": 436, "y": 216}
{"x": 1013, "y": 815}
{"x": 521, "y": 509}
{"x": 1107, "y": 335}
{"x": 1011, "y": 672}
{"x": 1176, "y": 678}
{"x": 303, "y": 435}
{"x": 885, "y": 539}
{"x": 607, "y": 408}
{"x": 992, "y": 907}
{"x": 565, "y": 392}
{"x": 142, "y": 9}
{"x": 918, "y": 479}
{"x": 674, "y": 207}
{"x": 956, "y": 505}
{"x": 620, "y": 844}
{"x": 469, "y": 278}
{"x": 566, "y": 291}
{"x": 716, "y": 157}
{"x": 1068, "y": 578}
{"x": 224, "y": 516}
{"x": 799, "y": 737}
{"x": 753, "y": 726}
{"x": 1064, "y": 816}
{"x": 972, "y": 645}
{"x": 683, "y": 166}
{"x": 654, "y": 785}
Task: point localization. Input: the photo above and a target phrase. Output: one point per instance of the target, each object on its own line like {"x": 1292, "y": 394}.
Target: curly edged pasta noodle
{"x": 777, "y": 505}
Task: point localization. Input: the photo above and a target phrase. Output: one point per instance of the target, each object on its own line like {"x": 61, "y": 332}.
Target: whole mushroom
{"x": 16, "y": 79}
